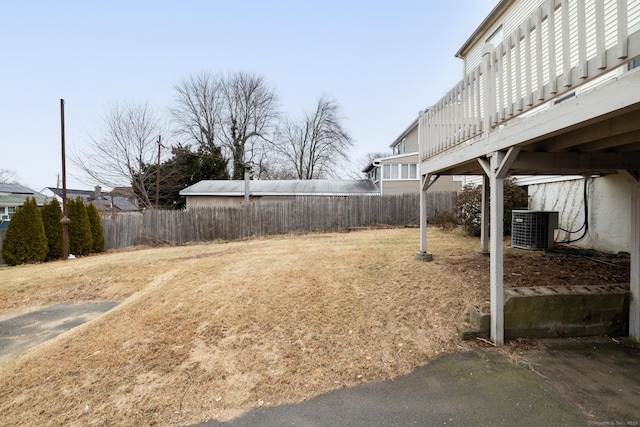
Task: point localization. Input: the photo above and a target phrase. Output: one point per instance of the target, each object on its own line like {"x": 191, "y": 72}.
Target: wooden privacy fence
{"x": 300, "y": 214}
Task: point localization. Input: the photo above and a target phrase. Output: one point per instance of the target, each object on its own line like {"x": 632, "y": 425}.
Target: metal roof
{"x": 315, "y": 187}
{"x": 102, "y": 201}
{"x": 15, "y": 189}
{"x": 16, "y": 194}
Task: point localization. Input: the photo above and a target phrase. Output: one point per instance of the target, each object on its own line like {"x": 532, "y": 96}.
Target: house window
{"x": 496, "y": 38}
{"x": 400, "y": 171}
{"x": 386, "y": 171}
{"x": 635, "y": 63}
{"x": 404, "y": 171}
{"x": 394, "y": 171}
{"x": 413, "y": 171}
{"x": 10, "y": 211}
{"x": 403, "y": 146}
{"x": 373, "y": 175}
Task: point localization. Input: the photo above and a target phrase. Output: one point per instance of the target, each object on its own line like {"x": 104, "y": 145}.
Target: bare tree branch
{"x": 121, "y": 154}
{"x": 314, "y": 145}
{"x": 353, "y": 170}
{"x": 236, "y": 113}
{"x": 250, "y": 112}
{"x": 7, "y": 176}
{"x": 198, "y": 109}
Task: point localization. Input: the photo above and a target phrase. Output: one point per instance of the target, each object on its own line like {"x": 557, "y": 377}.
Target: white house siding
{"x": 513, "y": 17}
{"x": 609, "y": 205}
{"x": 522, "y": 9}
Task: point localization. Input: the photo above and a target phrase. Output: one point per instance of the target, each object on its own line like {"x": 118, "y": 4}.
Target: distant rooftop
{"x": 100, "y": 199}
{"x": 16, "y": 194}
{"x": 316, "y": 187}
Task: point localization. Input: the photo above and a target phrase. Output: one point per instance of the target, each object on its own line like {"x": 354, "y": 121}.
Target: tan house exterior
{"x": 549, "y": 88}
{"x": 398, "y": 174}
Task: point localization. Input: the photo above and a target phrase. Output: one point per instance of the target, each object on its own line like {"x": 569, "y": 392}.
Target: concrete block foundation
{"x": 562, "y": 311}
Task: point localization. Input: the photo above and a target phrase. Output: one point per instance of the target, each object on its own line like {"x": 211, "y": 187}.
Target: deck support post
{"x": 422, "y": 254}
{"x": 497, "y": 169}
{"x": 634, "y": 286}
{"x": 496, "y": 271}
{"x": 484, "y": 220}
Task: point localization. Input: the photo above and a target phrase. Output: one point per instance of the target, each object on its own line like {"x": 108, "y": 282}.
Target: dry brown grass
{"x": 212, "y": 330}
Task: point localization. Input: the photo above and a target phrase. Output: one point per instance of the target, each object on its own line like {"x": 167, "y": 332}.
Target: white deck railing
{"x": 561, "y": 46}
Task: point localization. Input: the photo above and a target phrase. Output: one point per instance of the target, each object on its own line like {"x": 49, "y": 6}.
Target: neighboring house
{"x": 398, "y": 174}
{"x": 12, "y": 196}
{"x": 549, "y": 88}
{"x": 231, "y": 193}
{"x": 118, "y": 200}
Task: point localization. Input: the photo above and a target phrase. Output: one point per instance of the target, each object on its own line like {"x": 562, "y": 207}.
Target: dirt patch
{"x": 566, "y": 267}
{"x": 212, "y": 330}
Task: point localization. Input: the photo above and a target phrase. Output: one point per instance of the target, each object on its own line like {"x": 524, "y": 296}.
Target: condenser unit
{"x": 533, "y": 229}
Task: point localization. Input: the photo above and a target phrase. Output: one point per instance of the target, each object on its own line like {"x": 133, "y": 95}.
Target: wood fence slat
{"x": 305, "y": 213}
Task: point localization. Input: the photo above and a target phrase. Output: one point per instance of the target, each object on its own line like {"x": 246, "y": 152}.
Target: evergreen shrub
{"x": 96, "y": 229}
{"x": 25, "y": 240}
{"x": 51, "y": 216}
{"x": 80, "y": 237}
{"x": 469, "y": 205}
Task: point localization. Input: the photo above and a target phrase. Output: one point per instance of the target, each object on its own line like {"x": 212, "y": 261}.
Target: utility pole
{"x": 158, "y": 172}
{"x": 65, "y": 219}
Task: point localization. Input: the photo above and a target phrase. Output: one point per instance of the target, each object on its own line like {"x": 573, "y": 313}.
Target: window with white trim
{"x": 413, "y": 171}
{"x": 400, "y": 171}
{"x": 386, "y": 171}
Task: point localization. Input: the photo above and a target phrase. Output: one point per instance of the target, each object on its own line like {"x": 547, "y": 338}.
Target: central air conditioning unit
{"x": 533, "y": 230}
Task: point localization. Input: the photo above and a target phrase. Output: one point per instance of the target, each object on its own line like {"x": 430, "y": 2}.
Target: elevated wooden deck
{"x": 516, "y": 97}
{"x": 557, "y": 96}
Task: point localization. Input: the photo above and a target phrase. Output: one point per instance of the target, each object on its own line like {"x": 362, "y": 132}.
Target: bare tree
{"x": 127, "y": 146}
{"x": 315, "y": 145}
{"x": 236, "y": 113}
{"x": 354, "y": 169}
{"x": 197, "y": 110}
{"x": 249, "y": 112}
{"x": 7, "y": 176}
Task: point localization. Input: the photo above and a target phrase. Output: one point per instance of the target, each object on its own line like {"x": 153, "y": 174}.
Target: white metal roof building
{"x": 208, "y": 193}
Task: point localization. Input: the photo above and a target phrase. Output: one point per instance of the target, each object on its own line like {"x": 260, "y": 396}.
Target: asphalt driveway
{"x": 565, "y": 383}
{"x": 22, "y": 332}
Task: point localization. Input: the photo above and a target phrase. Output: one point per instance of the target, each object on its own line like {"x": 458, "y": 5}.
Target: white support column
{"x": 422, "y": 254}
{"x": 633, "y": 177}
{"x": 484, "y": 212}
{"x": 497, "y": 169}
{"x": 496, "y": 184}
{"x": 634, "y": 286}
{"x": 484, "y": 223}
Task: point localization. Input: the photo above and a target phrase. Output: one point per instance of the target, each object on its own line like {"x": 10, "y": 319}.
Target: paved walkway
{"x": 559, "y": 382}
{"x": 20, "y": 333}
{"x": 570, "y": 383}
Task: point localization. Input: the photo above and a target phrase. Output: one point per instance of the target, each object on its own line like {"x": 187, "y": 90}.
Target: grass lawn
{"x": 211, "y": 330}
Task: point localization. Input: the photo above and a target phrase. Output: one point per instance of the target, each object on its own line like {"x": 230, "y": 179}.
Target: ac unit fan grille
{"x": 533, "y": 229}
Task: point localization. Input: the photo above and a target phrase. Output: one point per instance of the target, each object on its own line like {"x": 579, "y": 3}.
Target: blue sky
{"x": 381, "y": 61}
